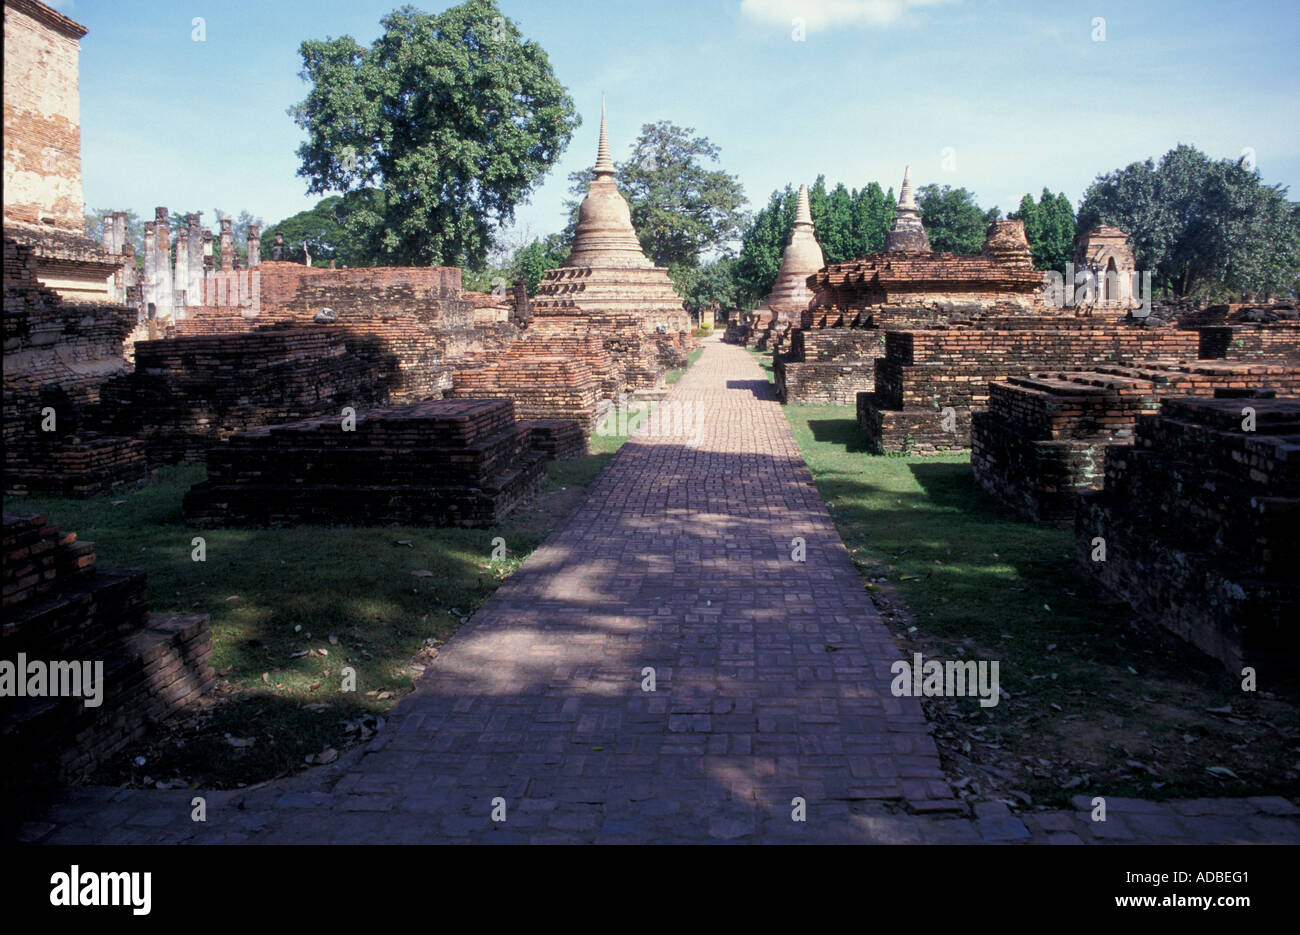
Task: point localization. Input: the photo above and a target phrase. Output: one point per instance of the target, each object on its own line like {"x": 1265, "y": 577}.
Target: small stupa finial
{"x": 802, "y": 212}
{"x": 604, "y": 165}
{"x": 905, "y": 197}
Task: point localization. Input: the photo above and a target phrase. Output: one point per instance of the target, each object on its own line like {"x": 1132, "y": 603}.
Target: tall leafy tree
{"x": 328, "y": 229}
{"x": 1202, "y": 226}
{"x": 953, "y": 221}
{"x": 452, "y": 118}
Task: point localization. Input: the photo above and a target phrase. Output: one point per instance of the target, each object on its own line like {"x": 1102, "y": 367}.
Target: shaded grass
{"x": 290, "y": 607}
{"x": 1097, "y": 699}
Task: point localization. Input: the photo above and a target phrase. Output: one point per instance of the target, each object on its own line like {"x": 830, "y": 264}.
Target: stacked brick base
{"x": 440, "y": 463}
{"x": 1198, "y": 523}
{"x": 923, "y": 373}
{"x": 1044, "y": 437}
{"x": 59, "y": 607}
{"x": 188, "y": 394}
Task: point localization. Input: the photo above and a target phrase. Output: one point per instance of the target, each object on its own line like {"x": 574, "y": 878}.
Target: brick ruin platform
{"x": 832, "y": 357}
{"x": 439, "y": 463}
{"x": 1199, "y": 521}
{"x": 57, "y": 356}
{"x": 58, "y": 606}
{"x": 557, "y": 439}
{"x": 541, "y": 385}
{"x": 414, "y": 324}
{"x": 1044, "y": 437}
{"x": 188, "y": 394}
{"x": 924, "y": 372}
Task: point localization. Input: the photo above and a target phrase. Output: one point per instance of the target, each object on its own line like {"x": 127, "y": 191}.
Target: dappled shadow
{"x": 760, "y": 388}
{"x": 845, "y": 432}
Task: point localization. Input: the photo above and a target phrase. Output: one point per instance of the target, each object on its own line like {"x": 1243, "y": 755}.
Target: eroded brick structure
{"x": 929, "y": 381}
{"x": 1196, "y": 526}
{"x": 187, "y": 394}
{"x": 57, "y": 357}
{"x": 442, "y": 463}
{"x": 832, "y": 357}
{"x": 58, "y": 606}
{"x": 44, "y": 208}
{"x": 1044, "y": 437}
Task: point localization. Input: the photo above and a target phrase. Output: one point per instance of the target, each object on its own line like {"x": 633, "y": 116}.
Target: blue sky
{"x": 1018, "y": 91}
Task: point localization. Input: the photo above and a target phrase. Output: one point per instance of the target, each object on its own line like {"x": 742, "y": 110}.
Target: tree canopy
{"x": 1049, "y": 228}
{"x": 1202, "y": 226}
{"x": 330, "y": 229}
{"x": 953, "y": 221}
{"x": 451, "y": 119}
{"x": 849, "y": 224}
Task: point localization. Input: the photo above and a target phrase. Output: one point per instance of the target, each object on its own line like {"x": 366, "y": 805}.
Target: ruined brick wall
{"x": 1251, "y": 341}
{"x": 924, "y": 372}
{"x": 42, "y": 117}
{"x": 1044, "y": 437}
{"x": 188, "y": 394}
{"x": 57, "y": 358}
{"x": 356, "y": 292}
{"x": 442, "y": 462}
{"x": 413, "y": 320}
{"x": 60, "y": 606}
{"x": 1198, "y": 522}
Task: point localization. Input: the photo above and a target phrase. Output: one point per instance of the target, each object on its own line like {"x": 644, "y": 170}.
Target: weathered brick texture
{"x": 442, "y": 463}
{"x": 1198, "y": 520}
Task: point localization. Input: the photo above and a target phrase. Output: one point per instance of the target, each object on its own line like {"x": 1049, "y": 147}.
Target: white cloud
{"x": 820, "y": 14}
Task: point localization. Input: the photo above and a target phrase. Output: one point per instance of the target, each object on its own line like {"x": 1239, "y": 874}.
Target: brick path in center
{"x": 771, "y": 682}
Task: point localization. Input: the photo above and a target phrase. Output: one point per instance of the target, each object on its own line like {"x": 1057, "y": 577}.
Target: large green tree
{"x": 1204, "y": 227}
{"x": 329, "y": 229}
{"x": 953, "y": 221}
{"x": 452, "y": 118}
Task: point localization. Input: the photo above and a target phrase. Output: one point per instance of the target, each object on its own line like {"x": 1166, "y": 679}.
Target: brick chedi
{"x": 790, "y": 295}
{"x": 441, "y": 463}
{"x": 1044, "y": 437}
{"x": 44, "y": 208}
{"x": 60, "y": 606}
{"x": 609, "y": 287}
{"x": 907, "y": 234}
{"x": 1196, "y": 527}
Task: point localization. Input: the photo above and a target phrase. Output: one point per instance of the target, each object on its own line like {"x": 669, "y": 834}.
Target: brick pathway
{"x": 772, "y": 681}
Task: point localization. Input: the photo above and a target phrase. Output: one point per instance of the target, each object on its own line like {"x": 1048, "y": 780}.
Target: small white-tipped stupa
{"x": 802, "y": 257}
{"x": 908, "y": 233}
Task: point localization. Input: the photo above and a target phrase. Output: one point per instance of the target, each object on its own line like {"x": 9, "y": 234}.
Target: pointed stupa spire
{"x": 604, "y": 237}
{"x": 604, "y": 165}
{"x": 802, "y": 213}
{"x": 905, "y": 197}
{"x": 908, "y": 233}
{"x": 802, "y": 257}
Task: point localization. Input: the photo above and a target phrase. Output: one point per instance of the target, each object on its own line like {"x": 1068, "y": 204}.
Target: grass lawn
{"x": 1097, "y": 703}
{"x": 290, "y": 607}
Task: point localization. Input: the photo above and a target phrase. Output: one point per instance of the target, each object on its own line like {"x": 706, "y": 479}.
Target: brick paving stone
{"x": 772, "y": 681}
